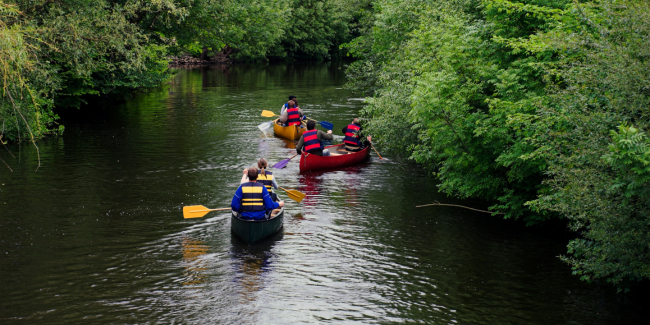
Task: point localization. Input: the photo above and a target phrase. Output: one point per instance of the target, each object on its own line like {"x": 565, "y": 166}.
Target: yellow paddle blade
{"x": 195, "y": 211}
{"x": 296, "y": 195}
{"x": 266, "y": 113}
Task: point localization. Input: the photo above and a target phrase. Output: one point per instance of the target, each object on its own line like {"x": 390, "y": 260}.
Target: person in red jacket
{"x": 292, "y": 115}
{"x": 352, "y": 138}
{"x": 312, "y": 141}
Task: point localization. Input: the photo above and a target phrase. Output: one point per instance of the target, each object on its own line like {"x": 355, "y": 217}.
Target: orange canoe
{"x": 288, "y": 132}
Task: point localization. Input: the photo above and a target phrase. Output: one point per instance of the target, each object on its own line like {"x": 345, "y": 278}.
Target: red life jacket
{"x": 352, "y": 135}
{"x": 293, "y": 116}
{"x": 311, "y": 141}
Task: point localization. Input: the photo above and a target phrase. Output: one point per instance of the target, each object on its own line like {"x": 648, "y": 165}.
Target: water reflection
{"x": 289, "y": 144}
{"x": 311, "y": 184}
{"x": 195, "y": 266}
{"x": 252, "y": 263}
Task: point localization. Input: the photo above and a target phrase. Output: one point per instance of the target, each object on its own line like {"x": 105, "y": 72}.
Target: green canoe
{"x": 252, "y": 231}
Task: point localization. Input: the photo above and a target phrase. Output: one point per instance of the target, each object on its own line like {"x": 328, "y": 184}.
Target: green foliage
{"x": 58, "y": 53}
{"x": 514, "y": 102}
{"x": 630, "y": 157}
{"x": 466, "y": 97}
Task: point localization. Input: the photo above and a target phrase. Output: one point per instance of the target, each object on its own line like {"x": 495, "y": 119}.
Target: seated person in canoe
{"x": 312, "y": 141}
{"x": 263, "y": 176}
{"x": 352, "y": 138}
{"x": 286, "y": 105}
{"x": 292, "y": 115}
{"x": 252, "y": 200}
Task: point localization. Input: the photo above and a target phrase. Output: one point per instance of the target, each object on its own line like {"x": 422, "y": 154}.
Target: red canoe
{"x": 339, "y": 158}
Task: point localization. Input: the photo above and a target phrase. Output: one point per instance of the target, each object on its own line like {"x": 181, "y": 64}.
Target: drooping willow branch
{"x": 456, "y": 205}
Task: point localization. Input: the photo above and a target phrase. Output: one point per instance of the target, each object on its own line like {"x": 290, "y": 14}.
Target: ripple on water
{"x": 97, "y": 235}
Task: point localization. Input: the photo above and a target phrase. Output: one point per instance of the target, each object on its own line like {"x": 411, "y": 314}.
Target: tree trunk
{"x": 204, "y": 54}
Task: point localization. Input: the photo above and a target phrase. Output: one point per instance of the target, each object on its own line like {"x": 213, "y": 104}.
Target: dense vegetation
{"x": 59, "y": 53}
{"x": 539, "y": 106}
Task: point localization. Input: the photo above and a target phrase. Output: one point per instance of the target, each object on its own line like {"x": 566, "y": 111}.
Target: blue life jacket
{"x": 253, "y": 197}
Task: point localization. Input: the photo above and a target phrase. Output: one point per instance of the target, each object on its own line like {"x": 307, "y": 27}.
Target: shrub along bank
{"x": 539, "y": 106}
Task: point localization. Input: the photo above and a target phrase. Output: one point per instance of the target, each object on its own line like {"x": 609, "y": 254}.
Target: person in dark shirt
{"x": 352, "y": 138}
{"x": 312, "y": 141}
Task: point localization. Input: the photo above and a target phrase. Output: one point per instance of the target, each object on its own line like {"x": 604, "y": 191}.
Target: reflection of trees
{"x": 194, "y": 267}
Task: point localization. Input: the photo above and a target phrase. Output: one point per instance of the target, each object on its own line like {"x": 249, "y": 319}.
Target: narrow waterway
{"x": 96, "y": 235}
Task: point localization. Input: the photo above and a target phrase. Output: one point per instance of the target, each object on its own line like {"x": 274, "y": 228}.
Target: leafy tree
{"x": 598, "y": 177}
{"x": 463, "y": 96}
{"x": 515, "y": 102}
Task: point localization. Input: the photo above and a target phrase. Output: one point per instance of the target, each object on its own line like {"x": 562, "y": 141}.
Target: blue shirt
{"x": 255, "y": 215}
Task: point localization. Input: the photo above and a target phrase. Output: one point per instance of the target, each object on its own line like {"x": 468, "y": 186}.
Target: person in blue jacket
{"x": 252, "y": 199}
{"x": 286, "y": 105}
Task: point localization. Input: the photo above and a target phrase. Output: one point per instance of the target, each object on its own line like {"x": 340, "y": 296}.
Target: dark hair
{"x": 292, "y": 104}
{"x": 295, "y": 101}
{"x": 262, "y": 164}
{"x": 311, "y": 125}
{"x": 252, "y": 174}
{"x": 291, "y": 97}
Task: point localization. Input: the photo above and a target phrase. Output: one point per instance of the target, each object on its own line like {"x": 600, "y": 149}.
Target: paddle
{"x": 373, "y": 148}
{"x": 283, "y": 163}
{"x": 265, "y": 126}
{"x": 266, "y": 113}
{"x": 324, "y": 124}
{"x": 198, "y": 211}
{"x": 294, "y": 195}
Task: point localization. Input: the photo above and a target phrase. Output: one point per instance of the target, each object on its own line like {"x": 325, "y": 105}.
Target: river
{"x": 96, "y": 235}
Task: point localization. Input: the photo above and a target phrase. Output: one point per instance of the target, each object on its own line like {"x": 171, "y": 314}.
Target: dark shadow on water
{"x": 252, "y": 263}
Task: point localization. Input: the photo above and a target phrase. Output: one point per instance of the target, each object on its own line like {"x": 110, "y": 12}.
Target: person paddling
{"x": 312, "y": 141}
{"x": 286, "y": 105}
{"x": 263, "y": 176}
{"x": 352, "y": 138}
{"x": 252, "y": 199}
{"x": 292, "y": 116}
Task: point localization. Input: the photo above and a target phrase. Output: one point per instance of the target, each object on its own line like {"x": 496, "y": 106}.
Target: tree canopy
{"x": 540, "y": 107}
{"x": 60, "y": 53}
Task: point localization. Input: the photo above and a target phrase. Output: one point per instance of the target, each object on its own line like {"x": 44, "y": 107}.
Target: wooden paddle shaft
{"x": 373, "y": 148}
{"x": 211, "y": 210}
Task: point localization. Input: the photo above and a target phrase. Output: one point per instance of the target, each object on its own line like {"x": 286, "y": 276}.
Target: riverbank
{"x": 191, "y": 61}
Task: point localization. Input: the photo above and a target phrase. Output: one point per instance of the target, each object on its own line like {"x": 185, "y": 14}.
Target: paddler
{"x": 286, "y": 105}
{"x": 292, "y": 116}
{"x": 312, "y": 141}
{"x": 263, "y": 176}
{"x": 252, "y": 199}
{"x": 352, "y": 138}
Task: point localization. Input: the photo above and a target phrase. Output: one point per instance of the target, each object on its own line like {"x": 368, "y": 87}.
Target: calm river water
{"x": 97, "y": 236}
